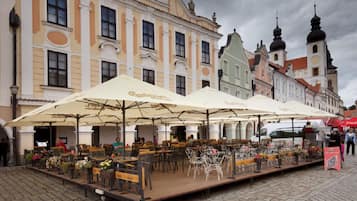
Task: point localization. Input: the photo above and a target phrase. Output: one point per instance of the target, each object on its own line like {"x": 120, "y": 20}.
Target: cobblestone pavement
{"x": 310, "y": 184}
{"x": 21, "y": 184}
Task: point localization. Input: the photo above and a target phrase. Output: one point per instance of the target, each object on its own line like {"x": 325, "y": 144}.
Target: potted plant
{"x": 28, "y": 157}
{"x": 86, "y": 166}
{"x": 258, "y": 160}
{"x": 35, "y": 159}
{"x": 107, "y": 171}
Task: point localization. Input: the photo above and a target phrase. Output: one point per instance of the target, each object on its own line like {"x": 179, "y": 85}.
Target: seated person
{"x": 118, "y": 146}
{"x": 59, "y": 143}
{"x": 174, "y": 139}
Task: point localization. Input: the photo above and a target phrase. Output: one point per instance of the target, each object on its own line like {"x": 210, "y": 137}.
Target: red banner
{"x": 332, "y": 158}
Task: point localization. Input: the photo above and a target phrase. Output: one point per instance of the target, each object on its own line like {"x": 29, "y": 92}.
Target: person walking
{"x": 4, "y": 148}
{"x": 350, "y": 140}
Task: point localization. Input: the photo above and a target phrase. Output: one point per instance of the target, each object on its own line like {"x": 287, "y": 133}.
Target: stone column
{"x": 85, "y": 135}
{"x": 163, "y": 133}
{"x": 129, "y": 135}
{"x": 214, "y": 131}
{"x": 25, "y": 140}
{"x": 231, "y": 131}
{"x": 192, "y": 130}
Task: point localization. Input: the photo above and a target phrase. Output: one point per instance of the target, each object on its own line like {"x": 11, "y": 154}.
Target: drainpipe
{"x": 14, "y": 22}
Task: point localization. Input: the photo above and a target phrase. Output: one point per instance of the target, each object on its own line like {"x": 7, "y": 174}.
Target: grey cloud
{"x": 255, "y": 21}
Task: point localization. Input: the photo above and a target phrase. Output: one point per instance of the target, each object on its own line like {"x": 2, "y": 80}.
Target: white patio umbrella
{"x": 123, "y": 97}
{"x": 218, "y": 104}
{"x": 280, "y": 109}
{"x": 306, "y": 110}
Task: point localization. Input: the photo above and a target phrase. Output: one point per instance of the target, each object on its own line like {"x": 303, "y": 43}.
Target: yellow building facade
{"x": 66, "y": 46}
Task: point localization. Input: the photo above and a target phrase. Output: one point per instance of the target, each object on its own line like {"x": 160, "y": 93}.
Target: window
{"x": 148, "y": 35}
{"x": 57, "y": 12}
{"x": 109, "y": 71}
{"x": 276, "y": 57}
{"x": 329, "y": 84}
{"x": 237, "y": 72}
{"x": 149, "y": 76}
{"x": 315, "y": 72}
{"x": 314, "y": 49}
{"x": 205, "y": 83}
{"x": 180, "y": 85}
{"x": 237, "y": 93}
{"x": 57, "y": 69}
{"x": 225, "y": 67}
{"x": 246, "y": 76}
{"x": 108, "y": 22}
{"x": 205, "y": 52}
{"x": 180, "y": 44}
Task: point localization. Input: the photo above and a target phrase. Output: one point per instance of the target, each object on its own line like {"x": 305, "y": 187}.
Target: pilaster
{"x": 163, "y": 133}
{"x": 85, "y": 45}
{"x": 25, "y": 139}
{"x": 192, "y": 130}
{"x": 129, "y": 23}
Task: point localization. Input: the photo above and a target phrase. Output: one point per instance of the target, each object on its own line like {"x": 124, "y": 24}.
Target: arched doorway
{"x": 3, "y": 133}
{"x": 224, "y": 132}
{"x": 179, "y": 132}
{"x": 42, "y": 134}
{"x": 249, "y": 131}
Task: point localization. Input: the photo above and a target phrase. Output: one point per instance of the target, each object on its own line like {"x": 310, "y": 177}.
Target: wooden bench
{"x": 127, "y": 178}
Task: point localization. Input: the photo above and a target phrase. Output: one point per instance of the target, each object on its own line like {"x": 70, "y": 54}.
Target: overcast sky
{"x": 255, "y": 21}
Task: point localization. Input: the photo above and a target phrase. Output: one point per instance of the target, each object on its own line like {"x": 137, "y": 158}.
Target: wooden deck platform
{"x": 169, "y": 185}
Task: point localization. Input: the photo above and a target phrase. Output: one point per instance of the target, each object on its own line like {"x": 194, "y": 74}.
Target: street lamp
{"x": 14, "y": 22}
{"x": 220, "y": 74}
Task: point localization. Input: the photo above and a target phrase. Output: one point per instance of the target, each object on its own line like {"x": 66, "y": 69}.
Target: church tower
{"x": 316, "y": 54}
{"x": 277, "y": 52}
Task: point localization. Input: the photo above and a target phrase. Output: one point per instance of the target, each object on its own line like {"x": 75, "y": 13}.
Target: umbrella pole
{"x": 240, "y": 129}
{"x": 123, "y": 113}
{"x": 259, "y": 128}
{"x": 165, "y": 131}
{"x": 207, "y": 129}
{"x": 292, "y": 128}
{"x": 50, "y": 127}
{"x": 153, "y": 130}
{"x": 77, "y": 137}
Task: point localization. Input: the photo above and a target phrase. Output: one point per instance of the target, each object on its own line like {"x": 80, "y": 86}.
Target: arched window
{"x": 276, "y": 57}
{"x": 314, "y": 49}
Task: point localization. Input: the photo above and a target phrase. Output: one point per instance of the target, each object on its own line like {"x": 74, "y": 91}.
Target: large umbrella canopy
{"x": 306, "y": 110}
{"x": 121, "y": 97}
{"x": 280, "y": 110}
{"x": 218, "y": 104}
{"x": 352, "y": 122}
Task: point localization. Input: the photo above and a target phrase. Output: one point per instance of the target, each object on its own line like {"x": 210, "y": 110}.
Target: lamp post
{"x": 220, "y": 74}
{"x": 14, "y": 22}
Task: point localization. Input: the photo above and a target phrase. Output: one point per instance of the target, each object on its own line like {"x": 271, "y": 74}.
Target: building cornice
{"x": 170, "y": 18}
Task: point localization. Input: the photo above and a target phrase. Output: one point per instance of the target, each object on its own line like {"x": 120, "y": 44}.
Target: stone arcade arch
{"x": 5, "y": 131}
{"x": 249, "y": 130}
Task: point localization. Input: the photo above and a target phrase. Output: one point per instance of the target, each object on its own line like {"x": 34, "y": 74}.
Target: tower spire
{"x": 315, "y": 8}
{"x": 277, "y": 19}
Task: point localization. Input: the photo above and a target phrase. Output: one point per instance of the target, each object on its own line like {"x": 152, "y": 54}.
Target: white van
{"x": 282, "y": 131}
